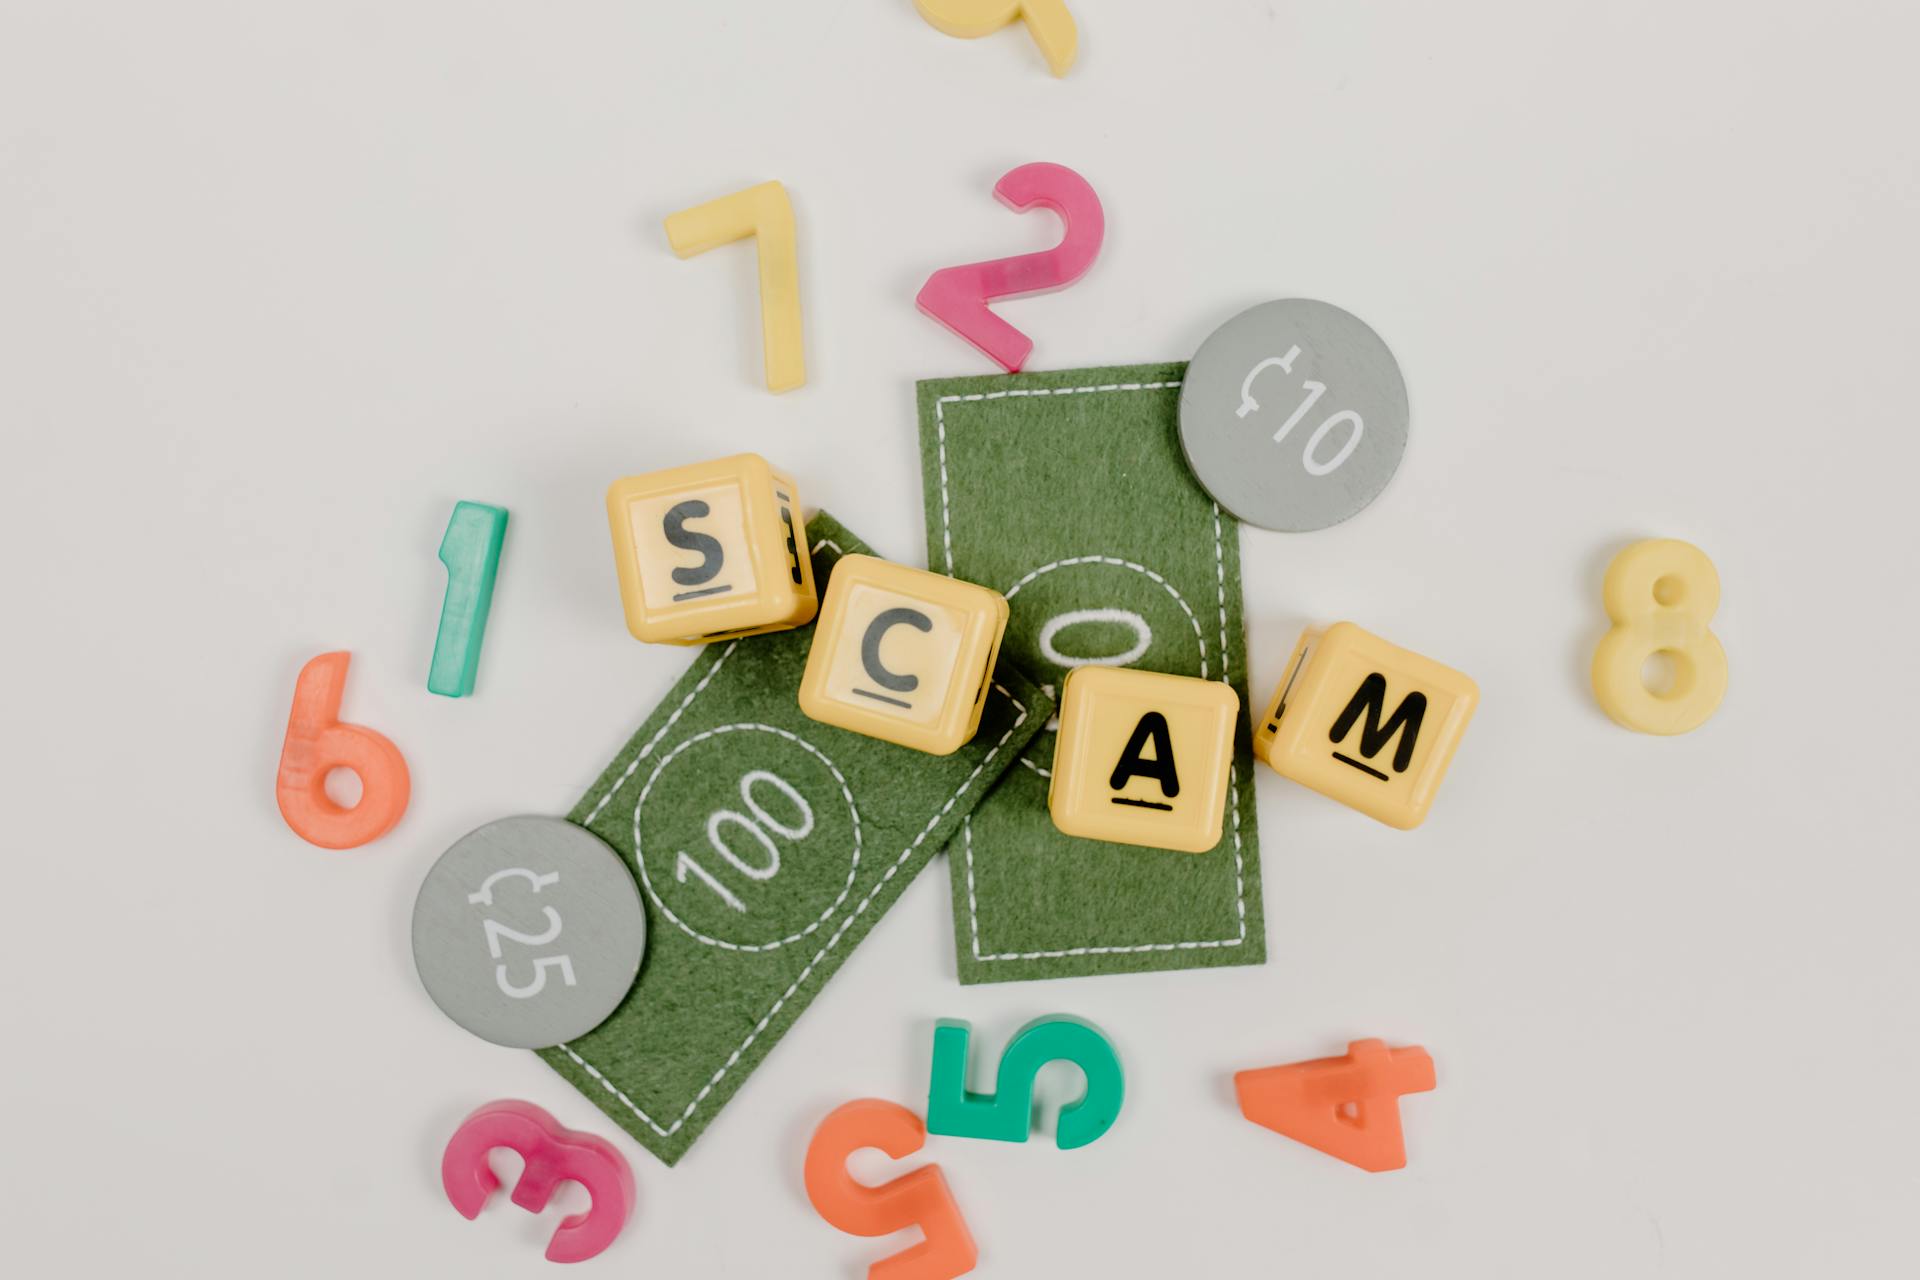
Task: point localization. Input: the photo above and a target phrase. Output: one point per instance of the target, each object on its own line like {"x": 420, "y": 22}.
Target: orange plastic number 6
{"x": 317, "y": 744}
{"x": 918, "y": 1199}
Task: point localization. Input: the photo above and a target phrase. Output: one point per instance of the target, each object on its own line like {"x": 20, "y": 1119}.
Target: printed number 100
{"x": 758, "y": 826}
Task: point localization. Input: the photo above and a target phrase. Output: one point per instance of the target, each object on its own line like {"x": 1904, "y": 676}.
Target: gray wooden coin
{"x": 1293, "y": 415}
{"x": 528, "y": 931}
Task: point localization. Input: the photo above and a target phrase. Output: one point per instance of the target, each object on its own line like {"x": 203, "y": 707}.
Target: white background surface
{"x": 278, "y": 284}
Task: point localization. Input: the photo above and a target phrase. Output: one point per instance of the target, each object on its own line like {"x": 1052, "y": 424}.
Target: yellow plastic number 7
{"x": 765, "y": 213}
{"x": 1048, "y": 22}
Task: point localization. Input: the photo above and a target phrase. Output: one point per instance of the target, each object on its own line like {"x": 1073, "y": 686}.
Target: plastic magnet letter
{"x": 1661, "y": 594}
{"x": 1347, "y": 1107}
{"x": 958, "y": 296}
{"x": 918, "y": 1199}
{"x": 1051, "y": 26}
{"x": 553, "y": 1155}
{"x": 1006, "y": 1115}
{"x": 317, "y": 744}
{"x": 471, "y": 552}
{"x": 765, "y": 213}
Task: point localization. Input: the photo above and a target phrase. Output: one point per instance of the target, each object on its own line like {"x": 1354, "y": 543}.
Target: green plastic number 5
{"x": 1006, "y": 1114}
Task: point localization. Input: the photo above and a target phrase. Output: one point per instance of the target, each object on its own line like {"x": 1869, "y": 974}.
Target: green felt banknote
{"x": 766, "y": 846}
{"x": 1068, "y": 493}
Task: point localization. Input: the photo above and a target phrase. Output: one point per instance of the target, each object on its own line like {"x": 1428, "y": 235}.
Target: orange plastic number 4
{"x": 918, "y": 1199}
{"x": 317, "y": 744}
{"x": 1348, "y": 1107}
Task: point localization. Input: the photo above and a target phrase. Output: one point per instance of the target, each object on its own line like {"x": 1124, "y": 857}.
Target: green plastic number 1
{"x": 471, "y": 552}
{"x": 1006, "y": 1115}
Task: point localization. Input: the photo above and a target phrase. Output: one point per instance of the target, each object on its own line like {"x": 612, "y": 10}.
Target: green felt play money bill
{"x": 766, "y": 846}
{"x": 1068, "y": 493}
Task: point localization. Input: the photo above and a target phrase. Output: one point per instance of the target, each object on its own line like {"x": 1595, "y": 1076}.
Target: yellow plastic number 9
{"x": 1661, "y": 594}
{"x": 1048, "y": 22}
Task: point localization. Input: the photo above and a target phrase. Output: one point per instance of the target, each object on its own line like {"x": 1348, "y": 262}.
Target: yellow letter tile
{"x": 1368, "y": 723}
{"x": 902, "y": 654}
{"x": 1143, "y": 758}
{"x": 711, "y": 552}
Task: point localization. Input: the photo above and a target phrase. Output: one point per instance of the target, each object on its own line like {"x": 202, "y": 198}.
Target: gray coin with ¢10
{"x": 528, "y": 931}
{"x": 1293, "y": 415}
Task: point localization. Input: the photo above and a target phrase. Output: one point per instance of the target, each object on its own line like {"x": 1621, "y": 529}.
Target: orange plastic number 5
{"x": 918, "y": 1199}
{"x": 317, "y": 744}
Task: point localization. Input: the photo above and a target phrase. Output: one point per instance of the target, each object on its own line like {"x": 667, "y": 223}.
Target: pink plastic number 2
{"x": 958, "y": 296}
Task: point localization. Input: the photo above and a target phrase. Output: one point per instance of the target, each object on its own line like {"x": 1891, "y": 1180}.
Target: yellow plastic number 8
{"x": 1661, "y": 594}
{"x": 1048, "y": 21}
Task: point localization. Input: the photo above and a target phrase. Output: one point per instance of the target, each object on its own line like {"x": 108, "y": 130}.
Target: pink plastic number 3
{"x": 958, "y": 296}
{"x": 553, "y": 1155}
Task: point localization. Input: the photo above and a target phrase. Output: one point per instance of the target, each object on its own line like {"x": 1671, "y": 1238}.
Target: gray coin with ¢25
{"x": 1293, "y": 415}
{"x": 528, "y": 931}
